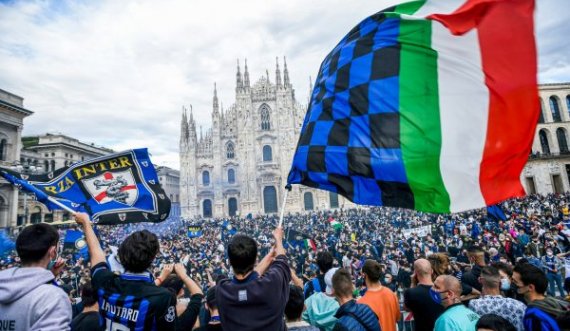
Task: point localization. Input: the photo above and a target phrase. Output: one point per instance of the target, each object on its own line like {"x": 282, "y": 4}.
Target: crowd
{"x": 356, "y": 269}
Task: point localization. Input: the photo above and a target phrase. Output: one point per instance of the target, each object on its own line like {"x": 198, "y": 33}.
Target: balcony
{"x": 546, "y": 156}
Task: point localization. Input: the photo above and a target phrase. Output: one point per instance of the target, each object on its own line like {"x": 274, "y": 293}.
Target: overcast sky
{"x": 117, "y": 73}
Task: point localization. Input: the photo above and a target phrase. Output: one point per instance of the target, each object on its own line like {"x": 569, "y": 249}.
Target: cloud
{"x": 117, "y": 73}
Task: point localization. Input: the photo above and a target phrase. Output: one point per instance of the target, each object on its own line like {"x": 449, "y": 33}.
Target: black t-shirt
{"x": 87, "y": 322}
{"x": 133, "y": 300}
{"x": 425, "y": 310}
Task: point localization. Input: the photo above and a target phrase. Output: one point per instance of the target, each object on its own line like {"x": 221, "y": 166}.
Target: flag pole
{"x": 287, "y": 189}
{"x": 61, "y": 205}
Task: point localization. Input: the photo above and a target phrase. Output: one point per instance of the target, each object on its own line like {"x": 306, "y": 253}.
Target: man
{"x": 542, "y": 313}
{"x": 321, "y": 307}
{"x": 317, "y": 284}
{"x": 294, "y": 309}
{"x": 131, "y": 300}
{"x": 418, "y": 299}
{"x": 446, "y": 291}
{"x": 214, "y": 324}
{"x": 380, "y": 299}
{"x": 492, "y": 302}
{"x": 553, "y": 267}
{"x": 88, "y": 320}
{"x": 265, "y": 285}
{"x": 29, "y": 297}
{"x": 351, "y": 316}
{"x": 477, "y": 258}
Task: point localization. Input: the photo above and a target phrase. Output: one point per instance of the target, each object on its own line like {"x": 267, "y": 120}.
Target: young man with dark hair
{"x": 130, "y": 300}
{"x": 317, "y": 284}
{"x": 294, "y": 310}
{"x": 382, "y": 300}
{"x": 29, "y": 297}
{"x": 542, "y": 313}
{"x": 88, "y": 320}
{"x": 351, "y": 315}
{"x": 477, "y": 258}
{"x": 265, "y": 285}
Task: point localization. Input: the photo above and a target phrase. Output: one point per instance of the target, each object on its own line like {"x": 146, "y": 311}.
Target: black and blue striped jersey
{"x": 132, "y": 301}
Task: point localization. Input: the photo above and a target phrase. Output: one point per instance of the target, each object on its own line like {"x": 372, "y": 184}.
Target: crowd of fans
{"x": 375, "y": 269}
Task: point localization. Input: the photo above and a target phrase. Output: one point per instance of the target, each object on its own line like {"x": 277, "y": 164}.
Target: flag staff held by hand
{"x": 287, "y": 189}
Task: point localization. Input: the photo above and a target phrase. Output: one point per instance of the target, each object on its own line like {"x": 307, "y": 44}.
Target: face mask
{"x": 505, "y": 284}
{"x": 387, "y": 280}
{"x": 549, "y": 253}
{"x": 52, "y": 263}
{"x": 435, "y": 296}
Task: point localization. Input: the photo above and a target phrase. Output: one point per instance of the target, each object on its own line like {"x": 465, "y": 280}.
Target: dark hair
{"x": 138, "y": 251}
{"x": 503, "y": 267}
{"x": 372, "y": 269}
{"x": 173, "y": 283}
{"x": 34, "y": 241}
{"x": 88, "y": 295}
{"x": 495, "y": 323}
{"x": 324, "y": 261}
{"x": 211, "y": 298}
{"x": 295, "y": 304}
{"x": 490, "y": 277}
{"x": 532, "y": 275}
{"x": 342, "y": 283}
{"x": 242, "y": 252}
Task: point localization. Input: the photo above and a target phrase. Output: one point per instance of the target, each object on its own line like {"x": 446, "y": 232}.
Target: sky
{"x": 117, "y": 73}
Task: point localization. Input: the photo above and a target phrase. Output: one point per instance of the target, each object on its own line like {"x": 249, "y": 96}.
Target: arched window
{"x": 568, "y": 103}
{"x": 541, "y": 115}
{"x": 543, "y": 136}
{"x": 267, "y": 154}
{"x": 52, "y": 165}
{"x": 308, "y": 198}
{"x": 46, "y": 165}
{"x": 562, "y": 141}
{"x": 230, "y": 150}
{"x": 3, "y": 150}
{"x": 555, "y": 109}
{"x": 231, "y": 176}
{"x": 333, "y": 197}
{"x": 270, "y": 199}
{"x": 206, "y": 178}
{"x": 207, "y": 208}
{"x": 265, "y": 118}
{"x": 232, "y": 206}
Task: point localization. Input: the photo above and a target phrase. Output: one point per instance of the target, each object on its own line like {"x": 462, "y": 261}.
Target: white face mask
{"x": 549, "y": 253}
{"x": 505, "y": 284}
{"x": 387, "y": 279}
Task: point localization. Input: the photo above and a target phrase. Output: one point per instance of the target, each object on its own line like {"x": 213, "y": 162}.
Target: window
{"x": 541, "y": 115}
{"x": 232, "y": 206}
{"x": 3, "y": 149}
{"x": 562, "y": 141}
{"x": 206, "y": 178}
{"x": 333, "y": 197}
{"x": 270, "y": 199}
{"x": 308, "y": 198}
{"x": 230, "y": 150}
{"x": 555, "y": 109}
{"x": 568, "y": 103}
{"x": 207, "y": 208}
{"x": 52, "y": 165}
{"x": 267, "y": 154}
{"x": 231, "y": 176}
{"x": 543, "y": 136}
{"x": 46, "y": 165}
{"x": 265, "y": 118}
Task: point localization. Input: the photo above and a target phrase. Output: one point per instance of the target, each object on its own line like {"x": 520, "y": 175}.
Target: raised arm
{"x": 95, "y": 252}
{"x": 189, "y": 282}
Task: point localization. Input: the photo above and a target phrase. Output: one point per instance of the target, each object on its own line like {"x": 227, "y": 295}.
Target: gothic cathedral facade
{"x": 240, "y": 165}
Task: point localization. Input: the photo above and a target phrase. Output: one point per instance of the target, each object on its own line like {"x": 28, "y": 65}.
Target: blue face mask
{"x": 435, "y": 296}
{"x": 505, "y": 284}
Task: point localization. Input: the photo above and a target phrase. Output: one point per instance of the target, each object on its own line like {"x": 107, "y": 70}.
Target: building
{"x": 170, "y": 182}
{"x": 12, "y": 114}
{"x": 240, "y": 165}
{"x": 548, "y": 169}
{"x": 45, "y": 153}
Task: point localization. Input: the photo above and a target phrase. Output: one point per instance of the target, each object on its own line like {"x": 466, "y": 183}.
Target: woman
{"x": 441, "y": 266}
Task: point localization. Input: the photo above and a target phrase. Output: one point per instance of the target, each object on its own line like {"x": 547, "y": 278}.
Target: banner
{"x": 75, "y": 244}
{"x": 421, "y": 231}
{"x": 194, "y": 231}
{"x": 117, "y": 188}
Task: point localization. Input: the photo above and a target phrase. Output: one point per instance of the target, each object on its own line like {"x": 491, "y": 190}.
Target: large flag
{"x": 430, "y": 105}
{"x": 6, "y": 243}
{"x": 74, "y": 243}
{"x": 194, "y": 231}
{"x": 117, "y": 188}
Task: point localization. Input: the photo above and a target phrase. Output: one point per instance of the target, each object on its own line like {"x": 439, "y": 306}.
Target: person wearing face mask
{"x": 553, "y": 269}
{"x": 446, "y": 291}
{"x": 29, "y": 296}
{"x": 492, "y": 302}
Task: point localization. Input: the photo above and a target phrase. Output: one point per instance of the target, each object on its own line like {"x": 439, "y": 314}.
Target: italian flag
{"x": 335, "y": 224}
{"x": 310, "y": 243}
{"x": 468, "y": 100}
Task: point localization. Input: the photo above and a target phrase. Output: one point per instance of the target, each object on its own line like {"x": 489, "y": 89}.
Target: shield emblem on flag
{"x": 144, "y": 163}
{"x": 80, "y": 243}
{"x": 122, "y": 216}
{"x": 119, "y": 186}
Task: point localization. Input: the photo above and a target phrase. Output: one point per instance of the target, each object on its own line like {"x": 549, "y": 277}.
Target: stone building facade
{"x": 170, "y": 182}
{"x": 12, "y": 114}
{"x": 240, "y": 165}
{"x": 548, "y": 169}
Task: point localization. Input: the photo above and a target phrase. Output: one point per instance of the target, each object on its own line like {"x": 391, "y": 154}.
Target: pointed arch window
{"x": 265, "y": 118}
{"x": 230, "y": 150}
{"x": 555, "y": 109}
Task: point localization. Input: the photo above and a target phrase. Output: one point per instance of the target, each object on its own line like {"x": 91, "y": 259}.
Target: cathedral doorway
{"x": 232, "y": 206}
{"x": 270, "y": 199}
{"x": 207, "y": 208}
{"x": 308, "y": 197}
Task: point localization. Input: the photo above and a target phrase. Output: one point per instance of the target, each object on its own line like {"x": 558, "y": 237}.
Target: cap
{"x": 328, "y": 280}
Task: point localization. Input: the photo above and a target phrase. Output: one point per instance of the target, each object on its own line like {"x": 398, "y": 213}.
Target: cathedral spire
{"x": 184, "y": 128}
{"x": 246, "y": 76}
{"x": 239, "y": 82}
{"x": 286, "y": 73}
{"x": 215, "y": 101}
{"x": 277, "y": 74}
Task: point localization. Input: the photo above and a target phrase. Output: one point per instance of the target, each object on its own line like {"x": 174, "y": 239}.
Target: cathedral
{"x": 240, "y": 165}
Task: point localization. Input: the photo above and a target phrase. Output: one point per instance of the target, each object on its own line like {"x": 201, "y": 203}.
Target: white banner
{"x": 421, "y": 231}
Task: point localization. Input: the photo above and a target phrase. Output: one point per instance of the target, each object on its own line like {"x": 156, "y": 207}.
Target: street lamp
{"x": 26, "y": 169}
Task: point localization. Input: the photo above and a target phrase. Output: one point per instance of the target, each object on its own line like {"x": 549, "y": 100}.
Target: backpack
{"x": 547, "y": 323}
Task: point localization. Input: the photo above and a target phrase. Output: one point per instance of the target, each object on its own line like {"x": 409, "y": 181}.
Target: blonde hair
{"x": 439, "y": 263}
